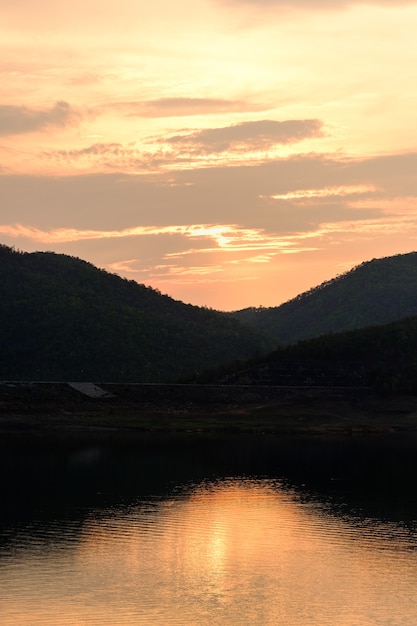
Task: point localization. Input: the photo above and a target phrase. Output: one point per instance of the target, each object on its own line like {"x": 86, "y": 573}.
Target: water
{"x": 208, "y": 531}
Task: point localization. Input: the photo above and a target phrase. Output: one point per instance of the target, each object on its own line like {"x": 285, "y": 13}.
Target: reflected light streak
{"x": 229, "y": 552}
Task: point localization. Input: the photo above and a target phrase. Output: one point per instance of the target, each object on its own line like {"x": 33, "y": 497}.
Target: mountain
{"x": 61, "y": 318}
{"x": 376, "y": 292}
{"x": 380, "y": 357}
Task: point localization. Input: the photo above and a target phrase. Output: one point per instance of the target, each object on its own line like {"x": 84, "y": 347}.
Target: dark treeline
{"x": 382, "y": 357}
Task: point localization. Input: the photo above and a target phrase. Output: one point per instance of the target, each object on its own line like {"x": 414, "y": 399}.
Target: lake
{"x": 127, "y": 529}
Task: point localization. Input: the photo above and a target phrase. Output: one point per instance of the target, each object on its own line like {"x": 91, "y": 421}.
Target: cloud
{"x": 328, "y": 192}
{"x": 16, "y": 120}
{"x": 201, "y": 249}
{"x": 102, "y": 152}
{"x": 245, "y": 221}
{"x": 199, "y": 147}
{"x": 114, "y": 157}
{"x": 260, "y": 134}
{"x": 226, "y": 237}
{"x": 114, "y": 149}
{"x": 179, "y": 107}
{"x": 285, "y": 195}
{"x": 314, "y": 5}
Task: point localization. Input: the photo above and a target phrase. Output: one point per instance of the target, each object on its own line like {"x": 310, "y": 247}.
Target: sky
{"x": 230, "y": 153}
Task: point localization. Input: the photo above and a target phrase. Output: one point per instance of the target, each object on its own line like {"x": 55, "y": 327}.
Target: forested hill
{"x": 61, "y": 318}
{"x": 381, "y": 357}
{"x": 376, "y": 292}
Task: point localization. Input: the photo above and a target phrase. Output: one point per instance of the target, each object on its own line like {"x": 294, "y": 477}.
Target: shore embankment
{"x": 37, "y": 406}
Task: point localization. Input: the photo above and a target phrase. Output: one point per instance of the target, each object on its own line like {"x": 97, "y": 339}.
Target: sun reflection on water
{"x": 233, "y": 551}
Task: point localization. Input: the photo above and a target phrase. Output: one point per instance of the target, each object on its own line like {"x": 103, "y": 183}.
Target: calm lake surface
{"x": 208, "y": 530}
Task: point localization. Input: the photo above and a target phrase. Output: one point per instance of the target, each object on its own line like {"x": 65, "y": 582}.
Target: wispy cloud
{"x": 314, "y": 5}
{"x": 198, "y": 148}
{"x": 327, "y": 192}
{"x": 16, "y": 120}
{"x": 64, "y": 235}
{"x": 279, "y": 195}
{"x": 182, "y": 106}
{"x": 222, "y": 237}
{"x": 253, "y": 135}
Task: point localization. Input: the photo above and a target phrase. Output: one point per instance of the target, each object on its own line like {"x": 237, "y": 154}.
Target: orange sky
{"x": 230, "y": 153}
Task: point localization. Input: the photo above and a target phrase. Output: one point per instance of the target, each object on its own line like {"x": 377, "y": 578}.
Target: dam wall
{"x": 34, "y": 394}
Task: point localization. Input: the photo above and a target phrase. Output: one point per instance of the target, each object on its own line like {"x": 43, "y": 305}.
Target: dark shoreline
{"x": 57, "y": 406}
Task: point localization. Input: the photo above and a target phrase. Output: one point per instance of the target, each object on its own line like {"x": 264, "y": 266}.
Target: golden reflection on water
{"x": 231, "y": 552}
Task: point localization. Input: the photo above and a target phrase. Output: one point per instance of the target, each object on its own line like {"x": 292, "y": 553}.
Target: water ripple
{"x": 233, "y": 551}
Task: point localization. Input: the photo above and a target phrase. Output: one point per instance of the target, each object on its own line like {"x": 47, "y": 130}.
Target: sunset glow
{"x": 230, "y": 153}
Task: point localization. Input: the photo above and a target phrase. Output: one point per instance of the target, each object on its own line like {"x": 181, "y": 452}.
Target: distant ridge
{"x": 376, "y": 292}
{"x": 381, "y": 358}
{"x": 61, "y": 318}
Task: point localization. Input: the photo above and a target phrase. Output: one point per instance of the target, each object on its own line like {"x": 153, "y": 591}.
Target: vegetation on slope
{"x": 376, "y": 292}
{"x": 382, "y": 357}
{"x": 61, "y": 318}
